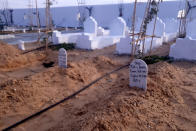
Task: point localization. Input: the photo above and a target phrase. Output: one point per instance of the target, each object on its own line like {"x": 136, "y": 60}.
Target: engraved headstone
{"x": 62, "y": 58}
{"x": 138, "y": 74}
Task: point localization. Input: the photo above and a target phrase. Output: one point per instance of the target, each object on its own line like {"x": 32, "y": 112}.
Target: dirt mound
{"x": 104, "y": 59}
{"x": 81, "y": 71}
{"x": 110, "y": 104}
{"x": 11, "y": 58}
{"x": 133, "y": 109}
{"x": 164, "y": 79}
{"x": 35, "y": 91}
{"x": 8, "y": 50}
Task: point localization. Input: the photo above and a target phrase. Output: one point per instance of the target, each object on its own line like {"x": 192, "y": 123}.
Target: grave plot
{"x": 113, "y": 103}
{"x": 118, "y": 29}
{"x": 90, "y": 29}
{"x": 184, "y": 49}
{"x": 123, "y": 46}
{"x": 12, "y": 58}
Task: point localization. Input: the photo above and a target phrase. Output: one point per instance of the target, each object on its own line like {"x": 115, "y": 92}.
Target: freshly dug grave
{"x": 162, "y": 107}
{"x": 33, "y": 93}
{"x": 168, "y": 104}
{"x": 12, "y": 58}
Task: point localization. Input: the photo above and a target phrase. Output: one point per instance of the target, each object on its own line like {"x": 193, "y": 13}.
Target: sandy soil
{"x": 11, "y": 58}
{"x": 110, "y": 104}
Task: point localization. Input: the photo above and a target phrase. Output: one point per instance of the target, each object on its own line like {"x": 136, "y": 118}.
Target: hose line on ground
{"x": 63, "y": 100}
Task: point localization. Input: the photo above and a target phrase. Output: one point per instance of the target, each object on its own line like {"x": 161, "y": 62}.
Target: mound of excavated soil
{"x": 36, "y": 91}
{"x": 131, "y": 109}
{"x": 8, "y": 51}
{"x": 11, "y": 58}
{"x": 110, "y": 104}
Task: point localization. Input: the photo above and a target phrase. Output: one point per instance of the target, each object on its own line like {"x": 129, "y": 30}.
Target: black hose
{"x": 39, "y": 48}
{"x": 63, "y": 100}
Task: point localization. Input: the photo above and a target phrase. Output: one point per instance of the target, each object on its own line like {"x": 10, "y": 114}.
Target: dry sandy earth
{"x": 27, "y": 87}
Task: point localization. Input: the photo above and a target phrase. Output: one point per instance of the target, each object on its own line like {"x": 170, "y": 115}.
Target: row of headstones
{"x": 138, "y": 70}
{"x": 117, "y": 27}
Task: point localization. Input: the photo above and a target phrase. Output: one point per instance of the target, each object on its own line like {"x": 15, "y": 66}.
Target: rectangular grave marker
{"x": 62, "y": 59}
{"x": 138, "y": 74}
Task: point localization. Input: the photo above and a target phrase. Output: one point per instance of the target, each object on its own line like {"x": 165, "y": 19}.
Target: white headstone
{"x": 13, "y": 30}
{"x": 24, "y": 30}
{"x": 21, "y": 45}
{"x": 190, "y": 30}
{"x": 159, "y": 28}
{"x": 100, "y": 31}
{"x": 138, "y": 74}
{"x": 62, "y": 58}
{"x": 90, "y": 26}
{"x": 172, "y": 25}
{"x": 118, "y": 27}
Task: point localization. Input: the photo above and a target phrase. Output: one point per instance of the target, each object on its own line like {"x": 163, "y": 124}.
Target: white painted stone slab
{"x": 159, "y": 29}
{"x": 183, "y": 49}
{"x": 118, "y": 27}
{"x": 62, "y": 59}
{"x": 190, "y": 30}
{"x": 171, "y": 25}
{"x": 124, "y": 46}
{"x": 90, "y": 26}
{"x": 138, "y": 74}
{"x": 21, "y": 45}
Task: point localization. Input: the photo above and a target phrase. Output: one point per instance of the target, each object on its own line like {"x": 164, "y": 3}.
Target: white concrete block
{"x": 183, "y": 49}
{"x": 118, "y": 27}
{"x": 21, "y": 45}
{"x": 100, "y": 31}
{"x": 90, "y": 26}
{"x": 191, "y": 30}
{"x": 169, "y": 37}
{"x": 83, "y": 42}
{"x": 124, "y": 46}
{"x": 2, "y": 37}
{"x": 159, "y": 29}
{"x": 171, "y": 26}
{"x": 157, "y": 42}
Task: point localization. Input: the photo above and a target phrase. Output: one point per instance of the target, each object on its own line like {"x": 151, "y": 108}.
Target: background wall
{"x": 104, "y": 14}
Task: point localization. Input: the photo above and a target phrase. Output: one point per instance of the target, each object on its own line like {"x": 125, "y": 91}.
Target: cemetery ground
{"x": 26, "y": 87}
